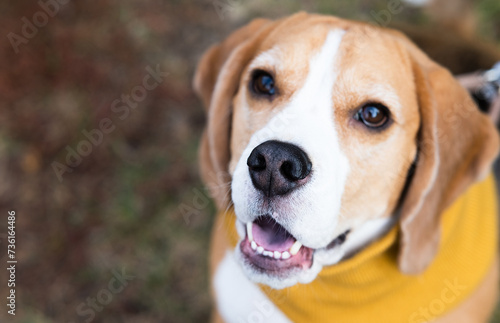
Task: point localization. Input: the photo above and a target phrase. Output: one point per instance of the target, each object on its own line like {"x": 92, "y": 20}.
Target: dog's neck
{"x": 367, "y": 233}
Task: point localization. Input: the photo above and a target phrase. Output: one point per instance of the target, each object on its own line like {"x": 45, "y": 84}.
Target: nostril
{"x": 256, "y": 161}
{"x": 296, "y": 169}
{"x": 290, "y": 171}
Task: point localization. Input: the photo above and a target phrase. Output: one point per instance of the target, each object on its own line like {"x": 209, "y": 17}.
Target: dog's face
{"x": 325, "y": 125}
{"x": 350, "y": 114}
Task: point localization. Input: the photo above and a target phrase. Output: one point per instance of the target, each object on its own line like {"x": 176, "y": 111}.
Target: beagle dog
{"x": 352, "y": 178}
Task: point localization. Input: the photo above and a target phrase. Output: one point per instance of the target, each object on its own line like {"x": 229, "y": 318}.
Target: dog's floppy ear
{"x": 216, "y": 81}
{"x": 456, "y": 146}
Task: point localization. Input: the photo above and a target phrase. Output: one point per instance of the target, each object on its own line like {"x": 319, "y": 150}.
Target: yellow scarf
{"x": 369, "y": 287}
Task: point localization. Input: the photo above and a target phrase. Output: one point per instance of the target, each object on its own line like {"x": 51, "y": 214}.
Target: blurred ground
{"x": 134, "y": 205}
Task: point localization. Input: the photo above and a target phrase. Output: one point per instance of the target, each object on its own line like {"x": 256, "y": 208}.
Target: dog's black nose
{"x": 277, "y": 167}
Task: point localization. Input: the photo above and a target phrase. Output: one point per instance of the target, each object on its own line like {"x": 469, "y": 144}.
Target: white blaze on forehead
{"x": 321, "y": 78}
{"x": 311, "y": 212}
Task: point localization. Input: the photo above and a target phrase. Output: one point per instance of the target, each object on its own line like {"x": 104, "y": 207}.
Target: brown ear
{"x": 216, "y": 81}
{"x": 456, "y": 146}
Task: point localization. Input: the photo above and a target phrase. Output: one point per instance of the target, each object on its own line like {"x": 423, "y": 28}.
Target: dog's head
{"x": 327, "y": 130}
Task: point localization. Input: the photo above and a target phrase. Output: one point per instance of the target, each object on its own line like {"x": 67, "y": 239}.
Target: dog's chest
{"x": 239, "y": 300}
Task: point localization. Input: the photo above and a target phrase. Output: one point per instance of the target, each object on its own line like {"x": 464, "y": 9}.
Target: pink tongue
{"x": 271, "y": 235}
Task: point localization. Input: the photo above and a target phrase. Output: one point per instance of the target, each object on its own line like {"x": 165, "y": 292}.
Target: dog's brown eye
{"x": 263, "y": 83}
{"x": 373, "y": 115}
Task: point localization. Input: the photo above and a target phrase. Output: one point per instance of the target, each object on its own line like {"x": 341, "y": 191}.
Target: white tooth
{"x": 260, "y": 250}
{"x": 285, "y": 255}
{"x": 240, "y": 228}
{"x": 268, "y": 253}
{"x": 253, "y": 245}
{"x": 249, "y": 231}
{"x": 277, "y": 255}
{"x": 295, "y": 248}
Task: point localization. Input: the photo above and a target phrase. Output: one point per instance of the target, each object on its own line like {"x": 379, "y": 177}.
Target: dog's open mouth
{"x": 270, "y": 247}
